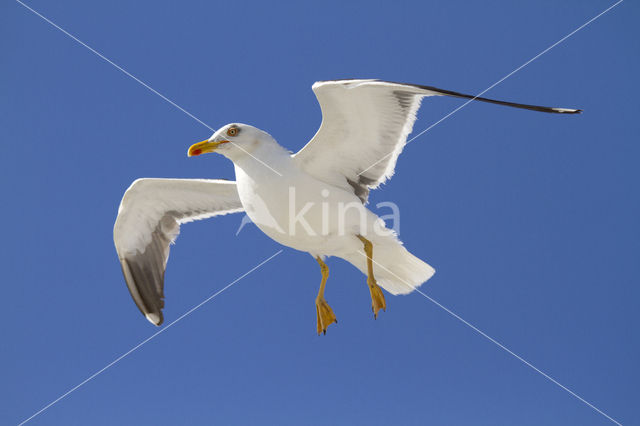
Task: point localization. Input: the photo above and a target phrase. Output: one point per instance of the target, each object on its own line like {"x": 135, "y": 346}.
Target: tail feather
{"x": 395, "y": 269}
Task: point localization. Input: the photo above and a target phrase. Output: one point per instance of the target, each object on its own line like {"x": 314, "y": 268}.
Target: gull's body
{"x": 333, "y": 217}
{"x": 271, "y": 202}
{"x": 313, "y": 201}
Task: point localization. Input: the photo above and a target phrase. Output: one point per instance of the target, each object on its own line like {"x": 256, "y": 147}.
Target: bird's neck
{"x": 268, "y": 158}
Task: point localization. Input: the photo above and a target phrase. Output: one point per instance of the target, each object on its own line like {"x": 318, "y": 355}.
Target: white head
{"x": 234, "y": 141}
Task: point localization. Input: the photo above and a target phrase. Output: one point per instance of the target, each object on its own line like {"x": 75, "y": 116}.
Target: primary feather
{"x": 149, "y": 220}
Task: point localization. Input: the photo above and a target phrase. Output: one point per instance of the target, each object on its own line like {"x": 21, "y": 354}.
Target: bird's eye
{"x": 232, "y": 131}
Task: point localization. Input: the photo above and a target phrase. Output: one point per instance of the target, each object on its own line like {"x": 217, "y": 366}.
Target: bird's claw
{"x": 377, "y": 299}
{"x": 324, "y": 315}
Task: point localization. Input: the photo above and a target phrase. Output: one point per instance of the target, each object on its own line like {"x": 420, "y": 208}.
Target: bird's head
{"x": 233, "y": 141}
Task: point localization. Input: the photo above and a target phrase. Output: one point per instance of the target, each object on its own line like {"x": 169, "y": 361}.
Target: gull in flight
{"x": 313, "y": 201}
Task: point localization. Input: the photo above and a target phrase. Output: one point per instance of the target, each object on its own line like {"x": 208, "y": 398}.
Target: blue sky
{"x": 530, "y": 219}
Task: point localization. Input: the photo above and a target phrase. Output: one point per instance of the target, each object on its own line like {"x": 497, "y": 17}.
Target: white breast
{"x": 299, "y": 211}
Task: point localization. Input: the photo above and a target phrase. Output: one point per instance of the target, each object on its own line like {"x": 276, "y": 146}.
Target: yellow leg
{"x": 325, "y": 315}
{"x": 377, "y": 298}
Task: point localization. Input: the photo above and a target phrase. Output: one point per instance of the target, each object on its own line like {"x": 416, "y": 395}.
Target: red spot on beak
{"x": 196, "y": 152}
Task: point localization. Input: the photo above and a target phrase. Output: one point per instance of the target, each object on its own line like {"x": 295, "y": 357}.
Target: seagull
{"x": 313, "y": 201}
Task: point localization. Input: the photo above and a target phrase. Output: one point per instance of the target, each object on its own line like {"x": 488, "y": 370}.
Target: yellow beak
{"x": 203, "y": 147}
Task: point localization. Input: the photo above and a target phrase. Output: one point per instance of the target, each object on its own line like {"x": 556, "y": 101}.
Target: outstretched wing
{"x": 149, "y": 220}
{"x": 364, "y": 127}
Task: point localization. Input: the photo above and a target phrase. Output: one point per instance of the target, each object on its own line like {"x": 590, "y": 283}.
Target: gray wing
{"x": 149, "y": 221}
{"x": 365, "y": 124}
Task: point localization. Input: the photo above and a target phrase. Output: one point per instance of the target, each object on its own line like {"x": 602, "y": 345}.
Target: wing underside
{"x": 148, "y": 223}
{"x": 365, "y": 124}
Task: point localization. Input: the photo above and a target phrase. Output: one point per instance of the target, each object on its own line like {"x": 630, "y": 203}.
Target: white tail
{"x": 395, "y": 269}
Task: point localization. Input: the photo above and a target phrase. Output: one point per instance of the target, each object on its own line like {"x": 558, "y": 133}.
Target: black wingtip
{"x": 566, "y": 111}
{"x": 471, "y": 97}
{"x": 155, "y": 318}
{"x": 140, "y": 282}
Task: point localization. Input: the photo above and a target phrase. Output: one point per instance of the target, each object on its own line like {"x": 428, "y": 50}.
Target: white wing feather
{"x": 149, "y": 220}
{"x": 365, "y": 124}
